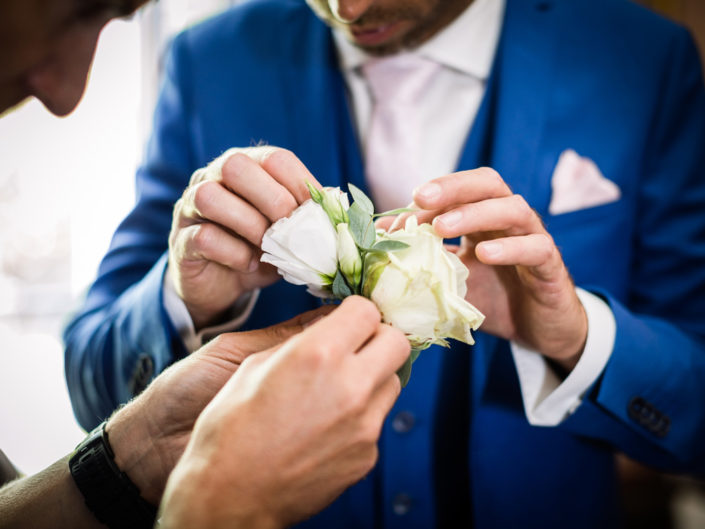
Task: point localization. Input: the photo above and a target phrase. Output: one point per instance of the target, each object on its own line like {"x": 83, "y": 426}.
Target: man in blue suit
{"x": 585, "y": 242}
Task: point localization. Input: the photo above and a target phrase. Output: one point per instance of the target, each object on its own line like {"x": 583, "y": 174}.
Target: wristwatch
{"x": 108, "y": 492}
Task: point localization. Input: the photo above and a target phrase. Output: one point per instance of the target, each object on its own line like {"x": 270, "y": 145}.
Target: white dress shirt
{"x": 465, "y": 49}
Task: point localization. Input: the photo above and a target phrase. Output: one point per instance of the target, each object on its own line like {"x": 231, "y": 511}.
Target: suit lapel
{"x": 321, "y": 129}
{"x": 519, "y": 98}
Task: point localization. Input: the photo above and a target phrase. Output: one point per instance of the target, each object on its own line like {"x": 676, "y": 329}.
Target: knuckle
{"x": 234, "y": 166}
{"x": 357, "y": 397}
{"x": 521, "y": 208}
{"x": 372, "y": 457}
{"x": 203, "y": 235}
{"x": 220, "y": 342}
{"x": 282, "y": 203}
{"x": 370, "y": 431}
{"x": 365, "y": 459}
{"x": 496, "y": 183}
{"x": 198, "y": 175}
{"x": 546, "y": 246}
{"x": 252, "y": 227}
{"x": 365, "y": 312}
{"x": 398, "y": 339}
{"x": 368, "y": 459}
{"x": 204, "y": 196}
{"x": 490, "y": 173}
{"x": 277, "y": 157}
{"x": 240, "y": 260}
{"x": 317, "y": 355}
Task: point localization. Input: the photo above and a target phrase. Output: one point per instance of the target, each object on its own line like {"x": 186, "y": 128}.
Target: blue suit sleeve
{"x": 650, "y": 400}
{"x": 121, "y": 335}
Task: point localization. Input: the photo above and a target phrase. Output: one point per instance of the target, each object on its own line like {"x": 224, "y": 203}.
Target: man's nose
{"x": 59, "y": 82}
{"x": 349, "y": 11}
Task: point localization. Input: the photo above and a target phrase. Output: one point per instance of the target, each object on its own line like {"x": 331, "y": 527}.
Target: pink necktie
{"x": 394, "y": 146}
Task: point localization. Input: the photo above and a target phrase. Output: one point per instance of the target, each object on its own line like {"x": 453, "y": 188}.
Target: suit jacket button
{"x": 403, "y": 422}
{"x": 141, "y": 374}
{"x": 646, "y": 415}
{"x": 401, "y": 504}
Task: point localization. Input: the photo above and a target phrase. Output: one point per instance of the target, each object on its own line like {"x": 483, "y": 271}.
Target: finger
{"x": 383, "y": 400}
{"x": 399, "y": 220}
{"x": 290, "y": 172}
{"x": 384, "y": 354}
{"x": 209, "y": 242}
{"x": 345, "y": 329}
{"x": 423, "y": 216}
{"x": 511, "y": 214}
{"x": 537, "y": 251}
{"x": 269, "y": 337}
{"x": 246, "y": 178}
{"x": 384, "y": 223}
{"x": 461, "y": 188}
{"x": 211, "y": 201}
{"x": 452, "y": 248}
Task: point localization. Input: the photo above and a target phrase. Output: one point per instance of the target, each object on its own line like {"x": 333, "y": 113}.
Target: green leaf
{"x": 315, "y": 193}
{"x": 404, "y": 372}
{"x": 393, "y": 212}
{"x": 360, "y": 221}
{"x": 361, "y": 199}
{"x": 388, "y": 246}
{"x": 340, "y": 287}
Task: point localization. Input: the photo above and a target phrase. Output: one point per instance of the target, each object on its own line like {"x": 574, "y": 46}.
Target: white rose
{"x": 303, "y": 247}
{"x": 421, "y": 289}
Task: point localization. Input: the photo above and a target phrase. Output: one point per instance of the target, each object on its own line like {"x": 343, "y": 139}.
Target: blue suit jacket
{"x": 604, "y": 77}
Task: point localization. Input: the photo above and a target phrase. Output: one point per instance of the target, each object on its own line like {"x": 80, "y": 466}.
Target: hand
{"x": 149, "y": 435}
{"x": 293, "y": 428}
{"x": 218, "y": 224}
{"x": 517, "y": 275}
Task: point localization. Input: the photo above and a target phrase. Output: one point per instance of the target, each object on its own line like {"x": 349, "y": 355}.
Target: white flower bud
{"x": 335, "y": 204}
{"x": 303, "y": 247}
{"x": 349, "y": 258}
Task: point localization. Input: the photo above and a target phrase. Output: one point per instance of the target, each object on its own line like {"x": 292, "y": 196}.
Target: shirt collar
{"x": 467, "y": 44}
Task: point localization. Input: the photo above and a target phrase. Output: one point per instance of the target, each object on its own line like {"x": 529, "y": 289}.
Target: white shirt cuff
{"x": 547, "y": 400}
{"x": 181, "y": 319}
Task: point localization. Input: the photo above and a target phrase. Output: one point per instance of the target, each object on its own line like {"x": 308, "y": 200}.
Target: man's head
{"x": 381, "y": 27}
{"x": 46, "y": 48}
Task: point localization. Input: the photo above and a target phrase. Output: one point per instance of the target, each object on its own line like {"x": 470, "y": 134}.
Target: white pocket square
{"x": 577, "y": 184}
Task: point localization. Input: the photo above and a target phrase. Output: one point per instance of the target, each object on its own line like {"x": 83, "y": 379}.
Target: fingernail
{"x": 428, "y": 191}
{"x": 492, "y": 249}
{"x": 254, "y": 263}
{"x": 451, "y": 219}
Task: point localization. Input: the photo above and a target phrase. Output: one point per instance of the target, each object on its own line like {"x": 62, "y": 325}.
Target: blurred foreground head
{"x": 46, "y": 48}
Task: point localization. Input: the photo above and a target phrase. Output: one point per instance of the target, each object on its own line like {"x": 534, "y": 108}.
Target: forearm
{"x": 48, "y": 499}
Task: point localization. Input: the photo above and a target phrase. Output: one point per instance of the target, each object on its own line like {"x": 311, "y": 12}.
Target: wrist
{"x": 136, "y": 453}
{"x": 108, "y": 492}
{"x": 194, "y": 498}
{"x": 568, "y": 354}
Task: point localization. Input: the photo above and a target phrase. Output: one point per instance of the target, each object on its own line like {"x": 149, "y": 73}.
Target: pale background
{"x": 64, "y": 186}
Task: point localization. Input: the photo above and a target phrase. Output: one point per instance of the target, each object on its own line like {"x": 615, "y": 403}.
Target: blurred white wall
{"x": 65, "y": 183}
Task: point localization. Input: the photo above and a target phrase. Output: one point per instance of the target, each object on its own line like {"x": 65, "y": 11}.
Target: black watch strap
{"x": 109, "y": 493}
